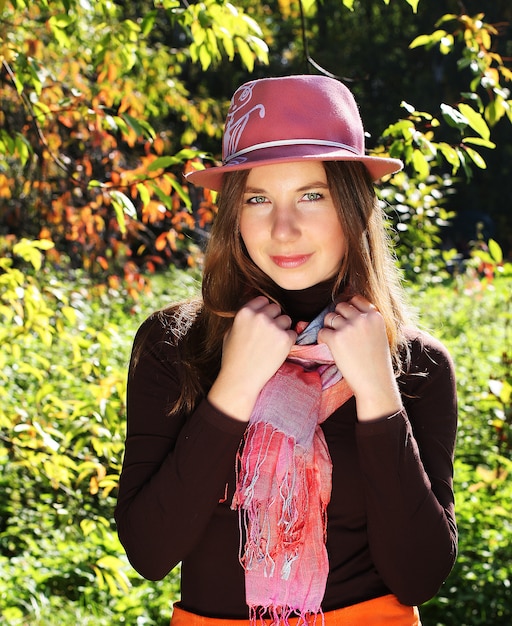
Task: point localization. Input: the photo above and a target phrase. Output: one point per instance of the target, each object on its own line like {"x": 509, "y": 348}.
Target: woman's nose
{"x": 285, "y": 224}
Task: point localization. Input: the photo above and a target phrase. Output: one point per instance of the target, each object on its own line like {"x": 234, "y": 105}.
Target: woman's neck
{"x": 303, "y": 305}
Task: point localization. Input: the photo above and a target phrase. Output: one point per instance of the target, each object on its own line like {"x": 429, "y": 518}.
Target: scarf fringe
{"x": 281, "y": 488}
{"x": 272, "y": 616}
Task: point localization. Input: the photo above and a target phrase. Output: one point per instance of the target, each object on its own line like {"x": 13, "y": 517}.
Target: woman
{"x": 290, "y": 436}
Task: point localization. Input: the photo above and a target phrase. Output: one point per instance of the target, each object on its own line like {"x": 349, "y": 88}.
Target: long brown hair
{"x": 230, "y": 278}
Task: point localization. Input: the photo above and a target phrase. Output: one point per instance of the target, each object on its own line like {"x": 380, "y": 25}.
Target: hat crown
{"x": 292, "y": 118}
{"x": 286, "y": 111}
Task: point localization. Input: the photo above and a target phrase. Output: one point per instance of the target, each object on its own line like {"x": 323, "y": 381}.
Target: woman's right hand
{"x": 254, "y": 349}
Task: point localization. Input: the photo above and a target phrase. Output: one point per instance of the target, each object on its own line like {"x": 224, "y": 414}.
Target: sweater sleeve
{"x": 407, "y": 465}
{"x": 175, "y": 468}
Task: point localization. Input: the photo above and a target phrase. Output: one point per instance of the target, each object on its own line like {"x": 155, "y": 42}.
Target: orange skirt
{"x": 384, "y": 611}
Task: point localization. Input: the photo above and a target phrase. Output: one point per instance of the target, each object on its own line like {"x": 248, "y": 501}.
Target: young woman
{"x": 290, "y": 436}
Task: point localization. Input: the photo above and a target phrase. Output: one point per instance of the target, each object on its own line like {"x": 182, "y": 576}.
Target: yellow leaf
{"x": 420, "y": 164}
{"x": 99, "y": 576}
{"x": 93, "y": 485}
{"x": 284, "y": 7}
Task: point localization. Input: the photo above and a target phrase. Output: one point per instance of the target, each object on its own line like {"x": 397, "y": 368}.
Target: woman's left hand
{"x": 356, "y": 335}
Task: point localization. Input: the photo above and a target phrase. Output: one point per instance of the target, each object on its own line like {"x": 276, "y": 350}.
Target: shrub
{"x": 474, "y": 320}
{"x": 64, "y": 349}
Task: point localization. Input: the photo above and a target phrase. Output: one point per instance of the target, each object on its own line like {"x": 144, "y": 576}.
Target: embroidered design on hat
{"x": 237, "y": 120}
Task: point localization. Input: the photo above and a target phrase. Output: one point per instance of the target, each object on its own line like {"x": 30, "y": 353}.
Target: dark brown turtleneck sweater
{"x": 391, "y": 524}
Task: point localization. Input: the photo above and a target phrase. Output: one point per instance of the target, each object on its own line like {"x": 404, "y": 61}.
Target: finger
{"x": 362, "y": 304}
{"x": 284, "y": 322}
{"x": 330, "y": 320}
{"x": 272, "y": 309}
{"x": 261, "y": 304}
{"x": 292, "y": 335}
{"x": 346, "y": 310}
{"x": 258, "y": 303}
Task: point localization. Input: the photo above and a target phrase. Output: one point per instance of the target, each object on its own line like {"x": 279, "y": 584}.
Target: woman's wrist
{"x": 237, "y": 403}
{"x": 378, "y": 404}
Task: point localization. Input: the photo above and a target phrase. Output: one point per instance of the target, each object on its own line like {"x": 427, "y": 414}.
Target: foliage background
{"x": 104, "y": 105}
{"x": 62, "y": 425}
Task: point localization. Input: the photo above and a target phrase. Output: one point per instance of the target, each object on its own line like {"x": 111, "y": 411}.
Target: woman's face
{"x": 289, "y": 224}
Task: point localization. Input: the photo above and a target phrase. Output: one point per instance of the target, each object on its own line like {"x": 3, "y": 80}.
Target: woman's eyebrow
{"x": 254, "y": 190}
{"x": 314, "y": 184}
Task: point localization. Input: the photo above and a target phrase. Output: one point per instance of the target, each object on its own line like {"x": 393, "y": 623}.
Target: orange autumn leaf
{"x": 153, "y": 212}
{"x": 102, "y": 261}
{"x": 158, "y": 145}
{"x": 161, "y": 242}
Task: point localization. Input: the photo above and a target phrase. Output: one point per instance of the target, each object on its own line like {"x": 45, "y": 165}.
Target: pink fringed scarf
{"x": 284, "y": 484}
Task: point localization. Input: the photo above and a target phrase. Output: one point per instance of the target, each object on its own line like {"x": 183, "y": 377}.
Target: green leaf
{"x": 478, "y": 141}
{"x": 464, "y": 163}
{"x": 450, "y": 154}
{"x": 42, "y": 111}
{"x": 405, "y": 128}
{"x": 245, "y": 53}
{"x": 119, "y": 123}
{"x": 213, "y": 45}
{"x": 260, "y": 48}
{"x": 141, "y": 127}
{"x": 475, "y": 120}
{"x": 43, "y": 244}
{"x": 227, "y": 42}
{"x": 122, "y": 206}
{"x": 70, "y": 314}
{"x": 165, "y": 199}
{"x": 496, "y": 109}
{"x": 420, "y": 164}
{"x": 61, "y": 21}
{"x": 110, "y": 562}
{"x": 495, "y": 251}
{"x": 143, "y": 194}
{"x": 253, "y": 25}
{"x": 180, "y": 191}
{"x": 88, "y": 526}
{"x": 205, "y": 58}
{"x": 477, "y": 158}
{"x": 58, "y": 25}
{"x": 30, "y": 251}
{"x": 422, "y": 40}
{"x": 23, "y": 148}
{"x": 163, "y": 162}
{"x": 454, "y": 117}
{"x": 446, "y": 44}
{"x": 147, "y": 23}
{"x": 447, "y": 17}
{"x": 188, "y": 153}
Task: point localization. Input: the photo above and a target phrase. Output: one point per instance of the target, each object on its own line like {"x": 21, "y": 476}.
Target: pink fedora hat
{"x": 293, "y": 118}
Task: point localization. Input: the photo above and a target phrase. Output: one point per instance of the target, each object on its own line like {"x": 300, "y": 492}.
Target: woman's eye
{"x": 256, "y": 200}
{"x": 311, "y": 196}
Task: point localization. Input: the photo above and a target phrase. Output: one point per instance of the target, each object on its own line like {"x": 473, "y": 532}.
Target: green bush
{"x": 474, "y": 319}
{"x": 64, "y": 349}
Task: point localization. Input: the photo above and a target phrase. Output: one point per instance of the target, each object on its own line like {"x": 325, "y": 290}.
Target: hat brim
{"x": 212, "y": 177}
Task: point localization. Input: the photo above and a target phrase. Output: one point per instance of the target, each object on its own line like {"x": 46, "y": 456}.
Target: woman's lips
{"x": 290, "y": 261}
